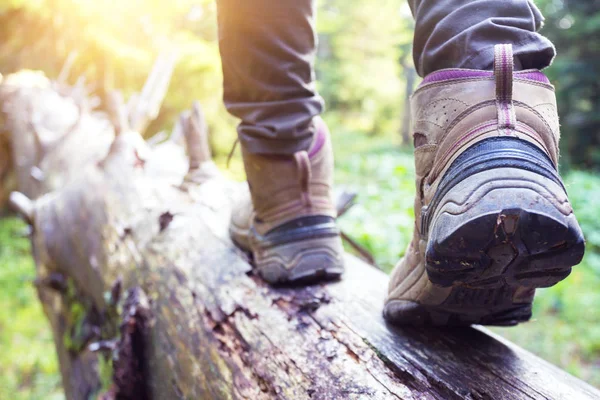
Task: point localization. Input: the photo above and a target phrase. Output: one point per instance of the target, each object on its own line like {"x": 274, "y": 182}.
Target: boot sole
{"x": 302, "y": 262}
{"x": 296, "y": 256}
{"x": 495, "y": 238}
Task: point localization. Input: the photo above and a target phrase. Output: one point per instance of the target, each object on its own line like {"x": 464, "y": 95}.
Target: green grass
{"x": 28, "y": 365}
{"x": 383, "y": 177}
{"x": 565, "y": 329}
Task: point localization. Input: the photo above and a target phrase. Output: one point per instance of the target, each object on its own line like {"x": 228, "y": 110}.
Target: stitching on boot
{"x": 554, "y": 134}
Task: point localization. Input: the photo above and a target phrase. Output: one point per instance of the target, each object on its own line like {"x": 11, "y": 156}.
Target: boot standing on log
{"x": 288, "y": 223}
{"x": 493, "y": 221}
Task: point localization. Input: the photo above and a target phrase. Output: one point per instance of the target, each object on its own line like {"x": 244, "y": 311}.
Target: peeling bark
{"x": 194, "y": 321}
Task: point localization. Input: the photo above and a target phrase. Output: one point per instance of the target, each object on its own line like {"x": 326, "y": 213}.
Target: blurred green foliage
{"x": 383, "y": 177}
{"x": 361, "y": 44}
{"x": 363, "y": 60}
{"x": 574, "y": 28}
{"x": 115, "y": 43}
{"x": 28, "y": 364}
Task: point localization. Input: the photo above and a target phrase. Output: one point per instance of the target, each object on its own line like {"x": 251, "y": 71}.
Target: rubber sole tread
{"x": 494, "y": 263}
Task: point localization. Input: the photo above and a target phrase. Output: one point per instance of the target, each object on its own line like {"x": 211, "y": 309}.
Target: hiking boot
{"x": 493, "y": 221}
{"x": 287, "y": 221}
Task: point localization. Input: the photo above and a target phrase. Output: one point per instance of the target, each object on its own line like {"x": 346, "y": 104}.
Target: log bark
{"x": 149, "y": 299}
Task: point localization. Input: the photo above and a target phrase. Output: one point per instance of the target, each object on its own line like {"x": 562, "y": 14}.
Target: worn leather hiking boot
{"x": 287, "y": 221}
{"x": 493, "y": 218}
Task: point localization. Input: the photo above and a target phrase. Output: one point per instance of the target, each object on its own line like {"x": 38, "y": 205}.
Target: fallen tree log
{"x": 149, "y": 299}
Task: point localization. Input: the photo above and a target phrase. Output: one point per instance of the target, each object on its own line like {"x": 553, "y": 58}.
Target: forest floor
{"x": 565, "y": 329}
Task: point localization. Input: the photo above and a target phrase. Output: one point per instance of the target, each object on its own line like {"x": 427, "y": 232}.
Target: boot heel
{"x": 503, "y": 227}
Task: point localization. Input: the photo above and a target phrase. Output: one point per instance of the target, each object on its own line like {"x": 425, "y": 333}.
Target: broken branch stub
{"x": 65, "y": 71}
{"x": 147, "y": 105}
{"x": 118, "y": 112}
{"x": 196, "y": 137}
{"x": 23, "y": 206}
{"x": 195, "y": 131}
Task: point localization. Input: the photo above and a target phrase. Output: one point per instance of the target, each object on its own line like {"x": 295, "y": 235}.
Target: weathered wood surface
{"x": 193, "y": 322}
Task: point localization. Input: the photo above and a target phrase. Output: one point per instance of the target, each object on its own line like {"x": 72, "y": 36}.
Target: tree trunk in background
{"x": 411, "y": 76}
{"x": 148, "y": 298}
{"x": 7, "y": 178}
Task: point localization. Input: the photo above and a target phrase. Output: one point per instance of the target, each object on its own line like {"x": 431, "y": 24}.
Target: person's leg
{"x": 267, "y": 52}
{"x": 288, "y": 221}
{"x": 493, "y": 221}
{"x": 462, "y": 34}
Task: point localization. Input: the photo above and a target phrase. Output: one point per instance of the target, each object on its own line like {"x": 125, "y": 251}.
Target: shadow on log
{"x": 149, "y": 299}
